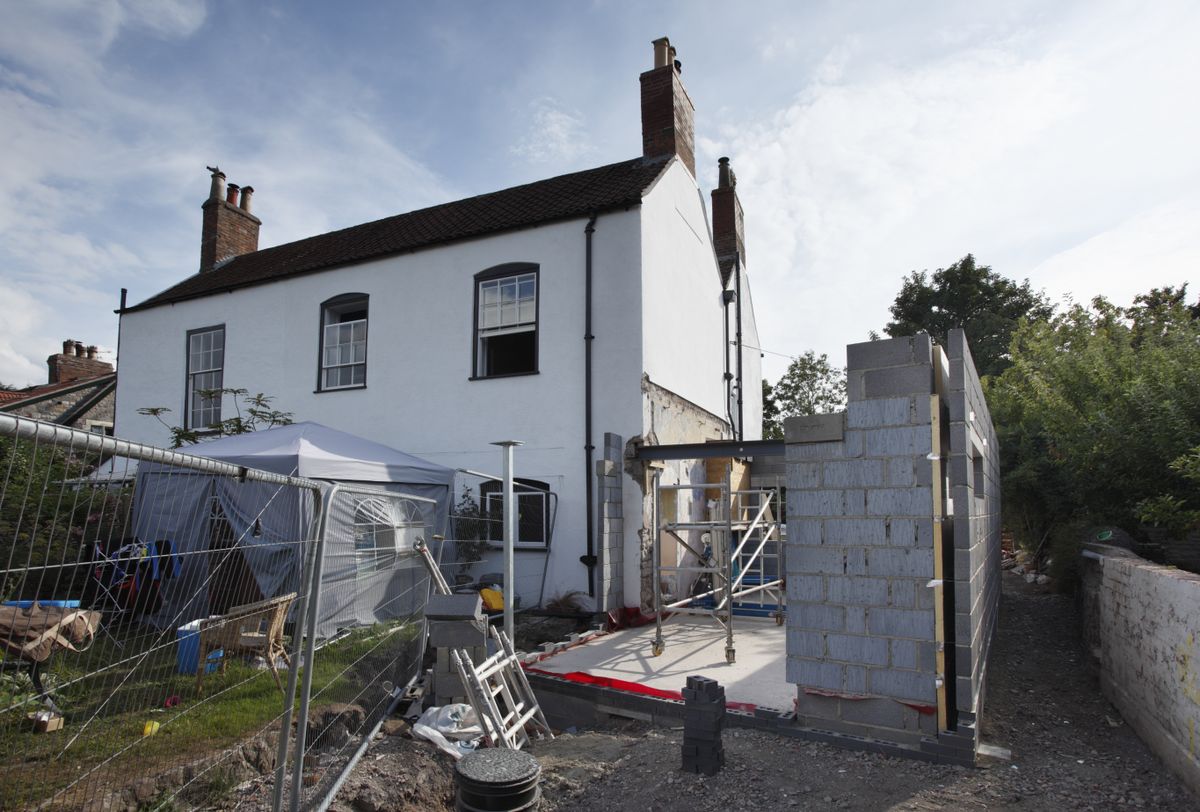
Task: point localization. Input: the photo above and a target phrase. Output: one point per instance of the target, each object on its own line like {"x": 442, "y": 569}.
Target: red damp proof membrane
{"x": 630, "y": 687}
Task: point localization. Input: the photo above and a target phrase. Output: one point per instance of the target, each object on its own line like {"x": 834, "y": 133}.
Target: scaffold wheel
{"x": 730, "y": 655}
{"x": 656, "y": 648}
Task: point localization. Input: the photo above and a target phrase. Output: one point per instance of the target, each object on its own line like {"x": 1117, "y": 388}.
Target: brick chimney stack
{"x": 76, "y": 363}
{"x": 668, "y": 115}
{"x": 728, "y": 222}
{"x": 229, "y": 227}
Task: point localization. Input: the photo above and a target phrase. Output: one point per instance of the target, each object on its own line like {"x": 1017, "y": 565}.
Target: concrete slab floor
{"x": 694, "y": 646}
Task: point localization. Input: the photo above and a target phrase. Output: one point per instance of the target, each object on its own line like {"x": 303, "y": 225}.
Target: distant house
{"x": 576, "y": 314}
{"x": 79, "y": 391}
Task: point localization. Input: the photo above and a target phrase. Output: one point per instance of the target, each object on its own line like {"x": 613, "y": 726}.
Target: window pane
{"x": 359, "y": 331}
{"x": 490, "y": 317}
{"x": 528, "y": 312}
{"x": 360, "y": 352}
{"x": 490, "y": 293}
{"x": 526, "y": 287}
{"x": 508, "y": 314}
{"x": 358, "y": 374}
{"x": 508, "y": 290}
{"x": 331, "y": 333}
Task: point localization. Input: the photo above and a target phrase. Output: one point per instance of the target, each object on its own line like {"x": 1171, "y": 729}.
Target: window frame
{"x": 187, "y": 376}
{"x": 344, "y": 301}
{"x": 491, "y": 493}
{"x": 492, "y": 274}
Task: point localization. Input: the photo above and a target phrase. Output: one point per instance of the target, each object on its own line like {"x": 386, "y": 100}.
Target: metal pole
{"x": 310, "y": 646}
{"x": 510, "y": 533}
{"x": 285, "y": 727}
{"x": 656, "y": 571}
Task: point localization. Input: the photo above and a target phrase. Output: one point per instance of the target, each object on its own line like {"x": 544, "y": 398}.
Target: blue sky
{"x": 1054, "y": 141}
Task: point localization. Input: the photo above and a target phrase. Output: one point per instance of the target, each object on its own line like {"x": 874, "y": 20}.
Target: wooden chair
{"x": 252, "y": 628}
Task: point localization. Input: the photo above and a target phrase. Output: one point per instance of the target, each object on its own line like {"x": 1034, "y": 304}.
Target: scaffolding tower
{"x": 740, "y": 554}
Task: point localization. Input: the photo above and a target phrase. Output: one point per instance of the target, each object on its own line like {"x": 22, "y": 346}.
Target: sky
{"x": 1054, "y": 141}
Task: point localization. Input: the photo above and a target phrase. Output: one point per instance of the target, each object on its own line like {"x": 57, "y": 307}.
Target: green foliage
{"x": 983, "y": 303}
{"x": 258, "y": 415}
{"x": 1177, "y": 514}
{"x": 1098, "y": 416}
{"x": 809, "y": 386}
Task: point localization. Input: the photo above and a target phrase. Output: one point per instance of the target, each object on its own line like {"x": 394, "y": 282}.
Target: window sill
{"x": 520, "y": 547}
{"x": 505, "y": 375}
{"x": 340, "y": 389}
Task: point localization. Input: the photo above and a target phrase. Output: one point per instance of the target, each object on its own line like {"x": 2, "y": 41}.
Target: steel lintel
{"x": 712, "y": 450}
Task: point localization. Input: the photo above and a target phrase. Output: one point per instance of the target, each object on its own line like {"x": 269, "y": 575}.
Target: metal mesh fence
{"x": 158, "y": 612}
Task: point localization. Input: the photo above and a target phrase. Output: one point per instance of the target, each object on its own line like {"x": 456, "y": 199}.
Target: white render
{"x": 657, "y": 311}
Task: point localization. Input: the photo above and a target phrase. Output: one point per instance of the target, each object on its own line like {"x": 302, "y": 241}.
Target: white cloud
{"x": 555, "y": 134}
{"x": 1032, "y": 145}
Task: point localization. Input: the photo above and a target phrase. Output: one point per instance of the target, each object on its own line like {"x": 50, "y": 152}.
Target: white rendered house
{"x": 555, "y": 313}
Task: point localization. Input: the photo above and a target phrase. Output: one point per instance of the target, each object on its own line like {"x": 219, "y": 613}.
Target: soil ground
{"x": 1070, "y": 750}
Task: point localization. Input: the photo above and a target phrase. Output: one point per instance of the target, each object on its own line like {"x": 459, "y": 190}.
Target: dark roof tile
{"x": 565, "y": 197}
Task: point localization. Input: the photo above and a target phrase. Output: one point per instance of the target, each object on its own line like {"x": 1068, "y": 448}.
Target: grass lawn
{"x": 109, "y": 693}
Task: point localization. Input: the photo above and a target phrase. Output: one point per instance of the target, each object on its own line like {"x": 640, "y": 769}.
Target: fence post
{"x": 306, "y": 586}
{"x": 310, "y": 632}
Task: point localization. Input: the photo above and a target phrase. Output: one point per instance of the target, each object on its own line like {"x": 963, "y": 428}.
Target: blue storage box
{"x": 187, "y": 655}
{"x": 54, "y": 604}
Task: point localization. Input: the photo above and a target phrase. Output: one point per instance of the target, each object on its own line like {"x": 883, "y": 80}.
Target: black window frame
{"x": 343, "y": 301}
{"x": 187, "y": 376}
{"x": 492, "y": 274}
{"x": 491, "y": 504}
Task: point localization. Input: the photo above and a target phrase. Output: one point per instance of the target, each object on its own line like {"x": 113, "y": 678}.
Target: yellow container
{"x": 150, "y": 729}
{"x": 493, "y": 599}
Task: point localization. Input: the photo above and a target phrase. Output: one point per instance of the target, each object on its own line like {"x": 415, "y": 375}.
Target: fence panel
{"x": 367, "y": 633}
{"x": 156, "y": 612}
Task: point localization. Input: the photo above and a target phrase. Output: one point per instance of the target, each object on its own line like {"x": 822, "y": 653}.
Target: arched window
{"x": 384, "y": 529}
{"x": 343, "y": 361}
{"x": 506, "y": 321}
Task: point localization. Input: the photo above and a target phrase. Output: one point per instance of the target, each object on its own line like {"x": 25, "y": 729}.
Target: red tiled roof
{"x": 10, "y": 397}
{"x": 578, "y": 194}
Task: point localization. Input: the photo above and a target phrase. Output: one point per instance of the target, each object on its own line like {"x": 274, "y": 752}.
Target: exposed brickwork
{"x": 610, "y": 596}
{"x": 668, "y": 117}
{"x": 728, "y": 223}
{"x": 228, "y": 232}
{"x": 75, "y": 363}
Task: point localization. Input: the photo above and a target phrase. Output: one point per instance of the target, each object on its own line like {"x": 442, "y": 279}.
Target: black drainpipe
{"x": 727, "y": 296}
{"x": 737, "y": 269}
{"x": 589, "y": 558}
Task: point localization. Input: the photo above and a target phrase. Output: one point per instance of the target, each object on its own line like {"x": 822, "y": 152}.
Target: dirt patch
{"x": 1070, "y": 750}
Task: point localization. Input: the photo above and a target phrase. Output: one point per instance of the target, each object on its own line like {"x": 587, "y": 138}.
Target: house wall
{"x": 891, "y": 585}
{"x": 419, "y": 395}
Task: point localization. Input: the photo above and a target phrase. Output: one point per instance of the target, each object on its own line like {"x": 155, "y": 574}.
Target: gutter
{"x": 737, "y": 269}
{"x": 588, "y": 559}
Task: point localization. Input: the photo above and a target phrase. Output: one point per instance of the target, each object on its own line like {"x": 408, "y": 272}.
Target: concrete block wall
{"x": 974, "y": 478}
{"x": 1140, "y": 623}
{"x": 861, "y": 642}
{"x": 610, "y": 593}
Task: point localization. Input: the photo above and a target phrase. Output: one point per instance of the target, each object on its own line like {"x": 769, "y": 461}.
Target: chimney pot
{"x": 725, "y": 175}
{"x": 247, "y": 193}
{"x": 662, "y": 46}
{"x": 92, "y": 349}
{"x": 69, "y": 347}
{"x": 79, "y": 349}
{"x": 217, "y": 190}
{"x": 231, "y": 196}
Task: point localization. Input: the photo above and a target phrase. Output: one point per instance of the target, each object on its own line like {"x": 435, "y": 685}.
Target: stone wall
{"x": 1140, "y": 623}
{"x": 875, "y": 614}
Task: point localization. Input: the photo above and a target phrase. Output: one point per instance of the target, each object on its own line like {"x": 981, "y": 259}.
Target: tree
{"x": 258, "y": 415}
{"x": 1098, "y": 419}
{"x": 984, "y": 304}
{"x": 809, "y": 386}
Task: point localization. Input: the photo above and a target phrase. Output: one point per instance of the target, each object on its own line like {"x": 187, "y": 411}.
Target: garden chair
{"x": 252, "y": 628}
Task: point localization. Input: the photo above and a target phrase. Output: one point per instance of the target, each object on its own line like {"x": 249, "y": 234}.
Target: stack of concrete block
{"x": 455, "y": 622}
{"x": 610, "y": 558}
{"x": 703, "y": 721}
